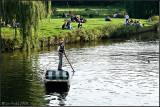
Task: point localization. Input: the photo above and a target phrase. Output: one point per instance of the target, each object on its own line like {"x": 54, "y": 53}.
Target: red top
{"x": 69, "y": 12}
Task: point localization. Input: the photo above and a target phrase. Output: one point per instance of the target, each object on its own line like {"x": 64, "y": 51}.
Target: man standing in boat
{"x": 61, "y": 50}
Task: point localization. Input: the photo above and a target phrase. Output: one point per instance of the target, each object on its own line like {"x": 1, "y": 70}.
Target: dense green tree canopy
{"x": 84, "y": 3}
{"x": 27, "y": 14}
{"x": 142, "y": 9}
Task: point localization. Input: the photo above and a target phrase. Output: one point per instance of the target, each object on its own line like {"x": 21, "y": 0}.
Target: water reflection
{"x": 21, "y": 84}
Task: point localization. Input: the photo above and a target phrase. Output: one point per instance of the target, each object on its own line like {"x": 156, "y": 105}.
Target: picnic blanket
{"x": 56, "y": 75}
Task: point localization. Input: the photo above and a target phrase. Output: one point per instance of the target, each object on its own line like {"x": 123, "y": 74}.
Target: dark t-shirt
{"x": 79, "y": 26}
{"x": 64, "y": 26}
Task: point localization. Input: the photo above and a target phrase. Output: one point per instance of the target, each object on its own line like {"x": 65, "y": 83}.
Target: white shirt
{"x": 126, "y": 16}
{"x": 59, "y": 48}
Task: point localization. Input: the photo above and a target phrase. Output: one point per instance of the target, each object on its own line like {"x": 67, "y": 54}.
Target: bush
{"x": 87, "y": 9}
{"x": 155, "y": 18}
{"x": 121, "y": 9}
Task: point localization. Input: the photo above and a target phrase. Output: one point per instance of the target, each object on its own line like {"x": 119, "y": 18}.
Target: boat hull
{"x": 56, "y": 83}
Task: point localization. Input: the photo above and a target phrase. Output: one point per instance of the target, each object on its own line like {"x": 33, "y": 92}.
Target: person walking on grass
{"x": 61, "y": 52}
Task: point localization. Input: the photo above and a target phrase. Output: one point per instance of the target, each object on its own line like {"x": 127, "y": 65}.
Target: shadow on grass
{"x": 57, "y": 28}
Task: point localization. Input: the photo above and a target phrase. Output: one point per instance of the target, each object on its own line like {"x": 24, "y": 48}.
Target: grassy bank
{"x": 81, "y": 35}
{"x": 53, "y": 27}
{"x": 50, "y": 31}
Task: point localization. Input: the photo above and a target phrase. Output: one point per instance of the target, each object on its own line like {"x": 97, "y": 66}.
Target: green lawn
{"x": 54, "y": 26}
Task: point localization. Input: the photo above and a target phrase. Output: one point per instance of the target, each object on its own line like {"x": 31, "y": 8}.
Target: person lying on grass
{"x": 64, "y": 26}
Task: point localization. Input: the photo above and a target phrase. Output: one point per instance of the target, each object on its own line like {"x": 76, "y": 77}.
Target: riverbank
{"x": 81, "y": 35}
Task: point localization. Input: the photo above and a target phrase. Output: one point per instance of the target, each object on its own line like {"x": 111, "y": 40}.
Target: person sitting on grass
{"x": 64, "y": 26}
{"x": 76, "y": 19}
{"x": 131, "y": 21}
{"x": 69, "y": 26}
{"x": 72, "y": 19}
{"x": 63, "y": 15}
{"x": 108, "y": 19}
{"x": 79, "y": 25}
{"x": 135, "y": 22}
{"x": 114, "y": 15}
{"x": 91, "y": 15}
{"x": 82, "y": 20}
{"x": 149, "y": 19}
{"x": 68, "y": 23}
{"x": 139, "y": 23}
{"x": 118, "y": 15}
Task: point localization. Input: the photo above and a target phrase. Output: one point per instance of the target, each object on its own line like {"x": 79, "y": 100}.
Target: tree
{"x": 27, "y": 14}
{"x": 142, "y": 9}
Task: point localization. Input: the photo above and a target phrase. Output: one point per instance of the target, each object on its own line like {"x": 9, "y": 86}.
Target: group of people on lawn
{"x": 126, "y": 20}
{"x": 131, "y": 22}
{"x": 67, "y": 25}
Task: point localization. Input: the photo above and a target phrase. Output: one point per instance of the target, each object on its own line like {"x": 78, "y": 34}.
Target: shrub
{"x": 155, "y": 18}
{"x": 120, "y": 9}
{"x": 87, "y": 9}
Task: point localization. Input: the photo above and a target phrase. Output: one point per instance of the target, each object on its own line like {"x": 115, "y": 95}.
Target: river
{"x": 115, "y": 72}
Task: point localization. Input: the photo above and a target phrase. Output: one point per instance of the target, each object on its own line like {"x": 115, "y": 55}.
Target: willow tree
{"x": 27, "y": 14}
